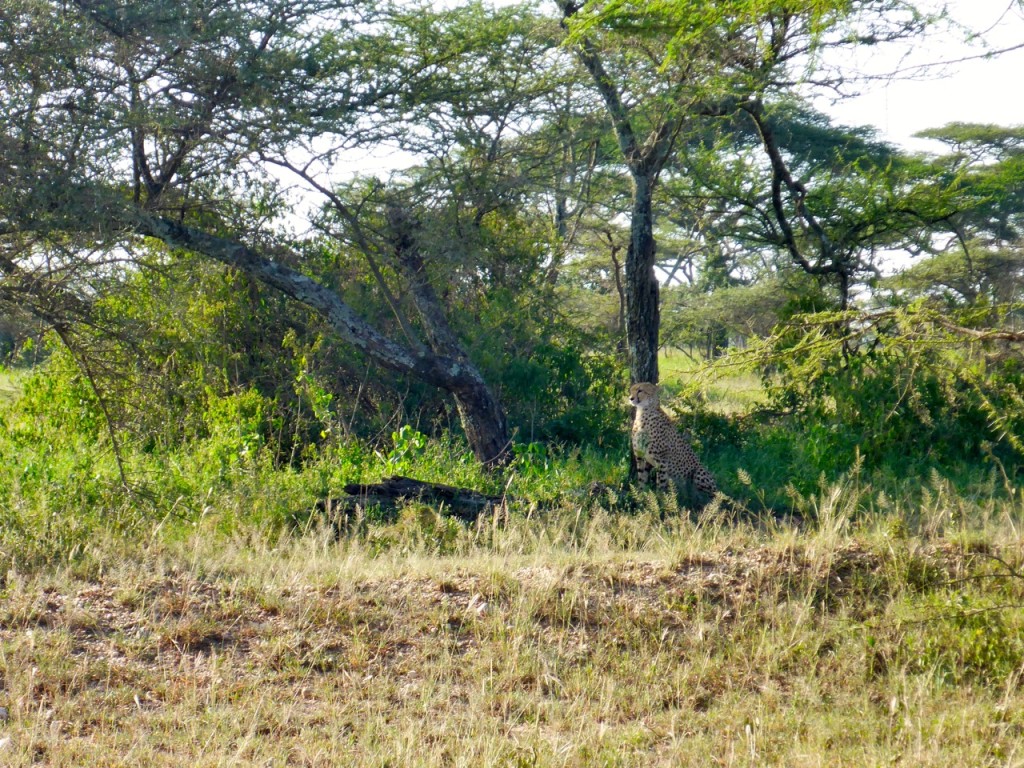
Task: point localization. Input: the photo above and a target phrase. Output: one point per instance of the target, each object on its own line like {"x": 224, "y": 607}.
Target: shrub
{"x": 894, "y": 387}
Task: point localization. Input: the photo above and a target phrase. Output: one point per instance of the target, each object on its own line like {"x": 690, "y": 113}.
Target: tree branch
{"x": 976, "y": 334}
{"x": 781, "y": 177}
{"x": 437, "y": 370}
{"x": 403, "y": 233}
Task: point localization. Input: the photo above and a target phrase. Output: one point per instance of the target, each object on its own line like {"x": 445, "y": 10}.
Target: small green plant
{"x": 531, "y": 459}
{"x": 969, "y": 638}
{"x": 408, "y": 444}
{"x": 237, "y": 426}
{"x": 308, "y": 386}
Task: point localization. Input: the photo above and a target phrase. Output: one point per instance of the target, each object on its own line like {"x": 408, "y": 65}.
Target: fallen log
{"x": 463, "y": 503}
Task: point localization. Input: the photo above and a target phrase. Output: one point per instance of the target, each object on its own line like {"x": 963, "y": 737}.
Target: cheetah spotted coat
{"x": 658, "y": 445}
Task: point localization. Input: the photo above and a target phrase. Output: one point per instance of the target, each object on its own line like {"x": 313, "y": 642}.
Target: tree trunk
{"x": 645, "y": 160}
{"x": 463, "y": 503}
{"x": 482, "y": 416}
{"x": 642, "y": 312}
{"x": 483, "y": 421}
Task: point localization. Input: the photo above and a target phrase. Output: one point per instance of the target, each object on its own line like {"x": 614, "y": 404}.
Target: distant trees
{"x": 976, "y": 252}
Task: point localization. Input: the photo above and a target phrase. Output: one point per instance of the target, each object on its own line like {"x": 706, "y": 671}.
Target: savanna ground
{"x": 868, "y": 628}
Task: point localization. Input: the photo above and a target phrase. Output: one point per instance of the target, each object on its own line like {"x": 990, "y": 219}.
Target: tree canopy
{"x": 580, "y": 184}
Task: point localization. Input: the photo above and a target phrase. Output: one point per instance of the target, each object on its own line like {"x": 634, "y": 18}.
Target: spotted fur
{"x": 658, "y": 445}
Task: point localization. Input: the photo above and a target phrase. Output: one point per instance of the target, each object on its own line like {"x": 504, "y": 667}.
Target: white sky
{"x": 981, "y": 90}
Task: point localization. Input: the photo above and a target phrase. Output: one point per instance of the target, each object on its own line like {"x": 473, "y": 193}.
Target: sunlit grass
{"x": 212, "y": 616}
{"x": 725, "y": 391}
{"x": 578, "y": 636}
{"x": 10, "y": 385}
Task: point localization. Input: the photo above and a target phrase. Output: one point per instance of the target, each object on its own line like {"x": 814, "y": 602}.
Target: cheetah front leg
{"x": 664, "y": 481}
{"x": 704, "y": 482}
{"x": 643, "y": 470}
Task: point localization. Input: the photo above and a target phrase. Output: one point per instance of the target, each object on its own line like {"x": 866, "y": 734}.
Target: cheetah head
{"x": 644, "y": 395}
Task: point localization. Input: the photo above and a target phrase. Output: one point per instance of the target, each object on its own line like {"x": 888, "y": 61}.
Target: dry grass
{"x": 689, "y": 645}
{"x": 10, "y": 385}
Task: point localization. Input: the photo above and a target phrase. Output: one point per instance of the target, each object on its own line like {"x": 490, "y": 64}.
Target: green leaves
{"x": 408, "y": 444}
{"x": 896, "y": 386}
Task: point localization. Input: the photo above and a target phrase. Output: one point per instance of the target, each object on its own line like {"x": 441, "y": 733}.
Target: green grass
{"x": 734, "y": 392}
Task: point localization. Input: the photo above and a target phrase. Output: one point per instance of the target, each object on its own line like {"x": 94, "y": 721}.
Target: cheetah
{"x": 658, "y": 444}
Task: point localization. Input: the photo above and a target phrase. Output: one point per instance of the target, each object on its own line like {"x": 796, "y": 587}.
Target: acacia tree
{"x": 863, "y": 196}
{"x": 646, "y": 131}
{"x": 976, "y": 253}
{"x": 668, "y": 71}
{"x": 158, "y": 121}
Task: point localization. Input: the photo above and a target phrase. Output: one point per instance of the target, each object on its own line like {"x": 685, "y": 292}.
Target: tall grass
{"x": 209, "y": 615}
{"x": 574, "y": 637}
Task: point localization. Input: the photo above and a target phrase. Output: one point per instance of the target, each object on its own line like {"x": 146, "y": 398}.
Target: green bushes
{"x": 889, "y": 397}
{"x": 61, "y": 486}
{"x": 971, "y": 638}
{"x": 896, "y": 388}
{"x": 564, "y": 395}
{"x": 892, "y": 396}
{"x": 176, "y": 342}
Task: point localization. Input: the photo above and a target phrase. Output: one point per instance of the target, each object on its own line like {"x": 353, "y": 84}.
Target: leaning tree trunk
{"x": 483, "y": 421}
{"x": 482, "y": 416}
{"x": 642, "y": 313}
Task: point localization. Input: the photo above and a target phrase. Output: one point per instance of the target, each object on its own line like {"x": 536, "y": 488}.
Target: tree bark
{"x": 483, "y": 421}
{"x": 483, "y": 418}
{"x": 464, "y": 503}
{"x": 643, "y": 316}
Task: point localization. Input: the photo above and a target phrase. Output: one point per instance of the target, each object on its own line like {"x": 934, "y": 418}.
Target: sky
{"x": 977, "y": 90}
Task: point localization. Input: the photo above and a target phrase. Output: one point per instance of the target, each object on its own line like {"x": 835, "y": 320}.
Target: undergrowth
{"x": 211, "y": 613}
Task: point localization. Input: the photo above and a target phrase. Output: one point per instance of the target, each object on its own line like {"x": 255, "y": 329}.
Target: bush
{"x": 894, "y": 387}
{"x": 561, "y": 394}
